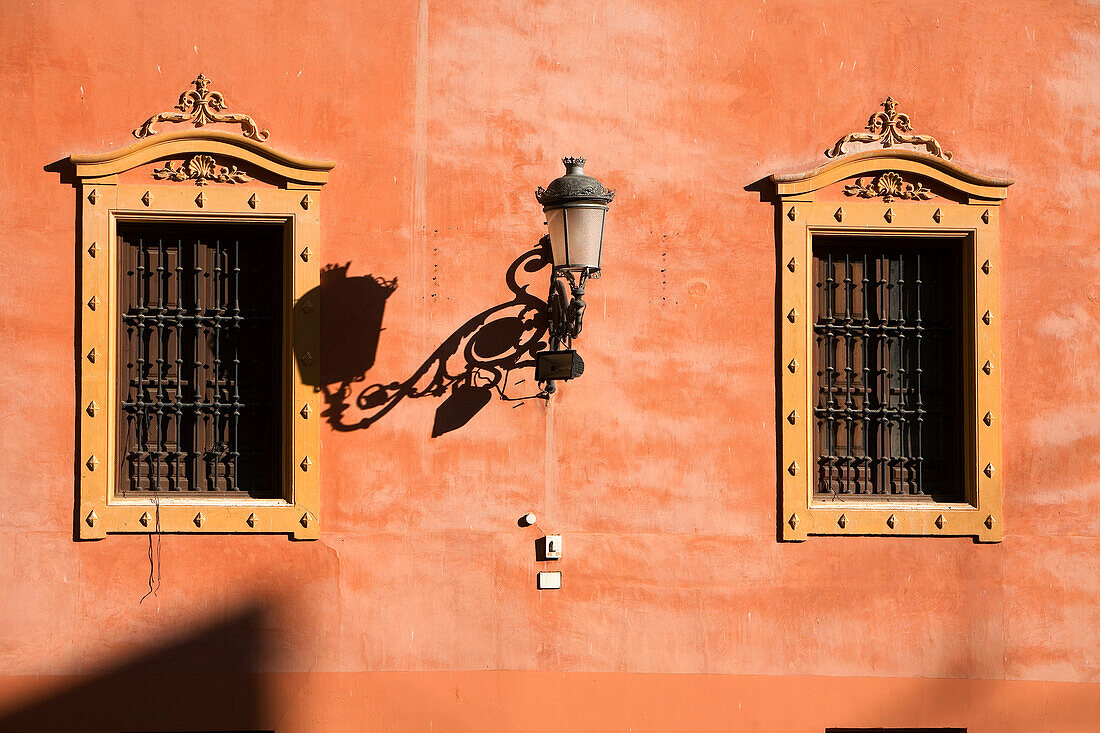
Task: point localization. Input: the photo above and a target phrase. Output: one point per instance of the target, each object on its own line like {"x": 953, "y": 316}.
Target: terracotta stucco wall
{"x": 417, "y": 609}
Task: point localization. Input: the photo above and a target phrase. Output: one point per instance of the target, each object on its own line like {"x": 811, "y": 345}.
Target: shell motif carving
{"x": 889, "y": 186}
{"x": 201, "y": 168}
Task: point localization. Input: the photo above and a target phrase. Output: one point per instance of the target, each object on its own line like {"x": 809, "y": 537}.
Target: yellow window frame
{"x": 292, "y": 199}
{"x": 842, "y": 198}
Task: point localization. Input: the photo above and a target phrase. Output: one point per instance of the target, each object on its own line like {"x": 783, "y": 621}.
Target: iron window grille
{"x": 199, "y": 360}
{"x": 887, "y": 356}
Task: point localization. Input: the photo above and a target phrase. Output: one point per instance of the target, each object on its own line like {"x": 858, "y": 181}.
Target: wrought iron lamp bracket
{"x": 565, "y": 304}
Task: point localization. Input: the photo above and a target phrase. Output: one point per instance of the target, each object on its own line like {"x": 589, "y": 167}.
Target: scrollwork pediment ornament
{"x": 889, "y": 186}
{"x": 201, "y": 168}
{"x": 202, "y": 106}
{"x": 889, "y": 127}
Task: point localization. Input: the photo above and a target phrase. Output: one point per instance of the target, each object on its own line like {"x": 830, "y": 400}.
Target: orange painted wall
{"x": 417, "y": 609}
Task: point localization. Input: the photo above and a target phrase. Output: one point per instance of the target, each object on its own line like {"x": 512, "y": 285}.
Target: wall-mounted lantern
{"x": 576, "y": 211}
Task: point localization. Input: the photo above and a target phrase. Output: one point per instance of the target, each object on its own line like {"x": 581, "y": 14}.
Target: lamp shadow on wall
{"x": 203, "y": 680}
{"x": 474, "y": 362}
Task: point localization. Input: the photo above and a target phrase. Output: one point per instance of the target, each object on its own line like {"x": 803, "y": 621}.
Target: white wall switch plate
{"x": 549, "y": 580}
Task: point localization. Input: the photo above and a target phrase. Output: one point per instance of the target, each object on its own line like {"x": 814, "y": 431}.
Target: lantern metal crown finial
{"x": 573, "y": 185}
{"x": 576, "y": 206}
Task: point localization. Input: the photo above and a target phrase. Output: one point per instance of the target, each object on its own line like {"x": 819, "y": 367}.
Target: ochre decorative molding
{"x": 889, "y": 127}
{"x": 889, "y": 186}
{"x": 298, "y": 173}
{"x": 201, "y": 168}
{"x": 201, "y": 106}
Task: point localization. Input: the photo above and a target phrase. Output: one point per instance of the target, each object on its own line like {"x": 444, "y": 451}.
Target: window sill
{"x": 148, "y": 516}
{"x": 868, "y": 517}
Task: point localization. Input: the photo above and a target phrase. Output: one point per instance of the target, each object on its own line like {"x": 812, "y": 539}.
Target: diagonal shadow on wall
{"x": 471, "y": 364}
{"x": 203, "y": 680}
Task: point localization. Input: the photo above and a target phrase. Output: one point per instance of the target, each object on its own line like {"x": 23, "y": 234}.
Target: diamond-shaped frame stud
{"x": 307, "y": 519}
{"x": 306, "y": 254}
{"x": 147, "y": 198}
{"x": 987, "y": 317}
{"x": 92, "y": 409}
{"x": 92, "y": 463}
{"x": 891, "y": 521}
{"x": 93, "y": 355}
{"x": 145, "y": 519}
{"x": 793, "y": 366}
{"x": 987, "y": 367}
{"x": 93, "y": 302}
{"x": 306, "y": 202}
{"x": 937, "y": 215}
{"x": 94, "y": 249}
{"x": 988, "y": 419}
{"x": 889, "y": 216}
{"x": 307, "y": 305}
{"x": 792, "y": 316}
{"x": 839, "y": 214}
{"x": 985, "y": 216}
{"x": 307, "y": 358}
{"x": 306, "y": 411}
{"x": 199, "y": 519}
{"x": 842, "y": 521}
{"x": 940, "y": 521}
{"x": 92, "y": 518}
{"x": 989, "y": 470}
{"x": 253, "y": 201}
{"x": 792, "y": 213}
{"x": 792, "y": 265}
{"x": 793, "y": 417}
{"x": 990, "y": 521}
{"x": 793, "y": 468}
{"x": 306, "y": 463}
{"x": 251, "y": 521}
{"x": 200, "y": 199}
{"x": 93, "y": 196}
{"x": 987, "y": 266}
{"x": 793, "y": 521}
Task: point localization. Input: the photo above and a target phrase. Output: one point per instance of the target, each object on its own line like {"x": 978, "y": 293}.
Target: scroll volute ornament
{"x": 202, "y": 106}
{"x": 889, "y": 128}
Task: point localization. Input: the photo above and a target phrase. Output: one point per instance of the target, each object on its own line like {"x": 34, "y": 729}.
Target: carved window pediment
{"x": 900, "y": 174}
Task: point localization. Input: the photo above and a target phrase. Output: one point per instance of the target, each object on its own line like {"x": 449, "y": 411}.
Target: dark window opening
{"x": 888, "y": 363}
{"x": 199, "y": 370}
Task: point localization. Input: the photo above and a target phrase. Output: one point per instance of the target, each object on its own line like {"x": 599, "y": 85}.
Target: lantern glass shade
{"x": 576, "y": 234}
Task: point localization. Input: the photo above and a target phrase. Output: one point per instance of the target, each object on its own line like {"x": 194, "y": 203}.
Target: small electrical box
{"x": 549, "y": 580}
{"x": 548, "y": 547}
{"x": 565, "y": 364}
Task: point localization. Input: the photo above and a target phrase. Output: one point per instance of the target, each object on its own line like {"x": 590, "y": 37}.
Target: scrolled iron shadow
{"x": 472, "y": 364}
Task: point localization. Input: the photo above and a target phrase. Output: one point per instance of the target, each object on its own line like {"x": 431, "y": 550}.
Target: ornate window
{"x": 889, "y": 341}
{"x": 198, "y": 330}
